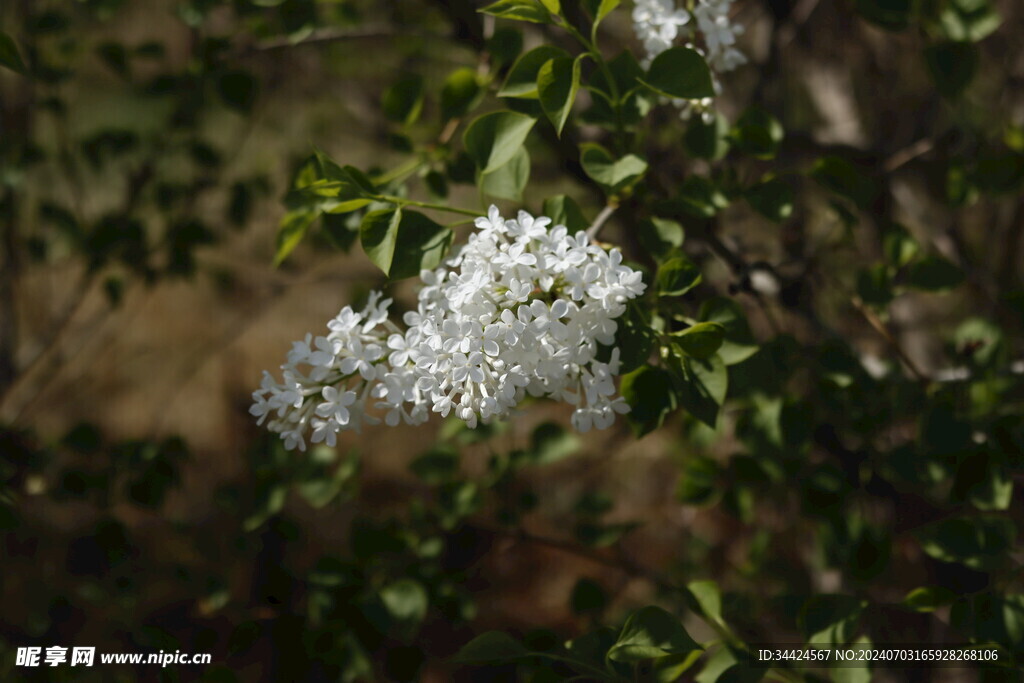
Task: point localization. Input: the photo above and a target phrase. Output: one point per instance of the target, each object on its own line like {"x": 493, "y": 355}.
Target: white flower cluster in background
{"x": 658, "y": 23}
{"x": 519, "y": 310}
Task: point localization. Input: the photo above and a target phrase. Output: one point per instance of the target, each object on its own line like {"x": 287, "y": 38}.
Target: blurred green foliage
{"x": 871, "y": 503}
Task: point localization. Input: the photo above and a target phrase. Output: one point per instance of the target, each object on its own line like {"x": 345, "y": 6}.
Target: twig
{"x": 908, "y": 154}
{"x": 622, "y": 563}
{"x": 322, "y": 36}
{"x": 601, "y": 219}
{"x": 881, "y": 328}
{"x": 60, "y": 331}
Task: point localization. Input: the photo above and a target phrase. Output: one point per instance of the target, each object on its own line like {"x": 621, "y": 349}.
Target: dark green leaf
{"x": 660, "y": 236}
{"x": 403, "y": 101}
{"x": 772, "y": 198}
{"x": 892, "y": 15}
{"x": 493, "y": 139}
{"x": 758, "y": 133}
{"x": 238, "y": 90}
{"x": 651, "y": 397}
{"x": 612, "y": 174}
{"x": 523, "y": 10}
{"x": 703, "y": 387}
{"x": 522, "y": 77}
{"x": 557, "y": 83}
{"x": 933, "y": 274}
{"x": 977, "y": 542}
{"x": 701, "y": 340}
{"x": 707, "y": 140}
{"x": 550, "y": 442}
{"x": 680, "y": 72}
{"x": 651, "y": 632}
{"x": 9, "y": 55}
{"x": 677, "y": 276}
{"x": 952, "y": 66}
{"x": 461, "y": 92}
{"x": 844, "y": 178}
{"x": 739, "y": 343}
{"x": 493, "y": 646}
{"x": 293, "y": 228}
{"x": 588, "y": 597}
{"x": 928, "y": 599}
{"x": 402, "y": 243}
{"x": 563, "y": 210}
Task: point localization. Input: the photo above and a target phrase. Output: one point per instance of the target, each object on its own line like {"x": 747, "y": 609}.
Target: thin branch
{"x": 56, "y": 338}
{"x": 601, "y": 219}
{"x": 886, "y": 334}
{"x": 327, "y": 35}
{"x": 908, "y": 154}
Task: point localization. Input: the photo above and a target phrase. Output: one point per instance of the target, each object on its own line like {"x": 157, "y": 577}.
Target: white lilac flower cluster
{"x": 658, "y": 23}
{"x": 519, "y": 310}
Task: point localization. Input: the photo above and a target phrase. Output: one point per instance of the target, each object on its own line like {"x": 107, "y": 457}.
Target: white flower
{"x": 519, "y": 310}
{"x": 658, "y": 24}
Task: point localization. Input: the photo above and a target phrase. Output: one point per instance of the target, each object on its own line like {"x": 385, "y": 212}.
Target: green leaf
{"x": 707, "y": 140}
{"x": 558, "y": 81}
{"x": 493, "y": 139}
{"x": 701, "y": 340}
{"x": 933, "y": 274}
{"x": 523, "y": 10}
{"x": 651, "y": 632}
{"x": 680, "y": 72}
{"x": 553, "y": 6}
{"x": 772, "y": 198}
{"x": 699, "y": 196}
{"x": 634, "y": 338}
{"x": 703, "y": 387}
{"x": 928, "y": 599}
{"x": 599, "y": 9}
{"x": 493, "y": 646}
{"x": 588, "y": 597}
{"x": 660, "y": 236}
{"x": 969, "y": 20}
{"x": 563, "y": 210}
{"x": 406, "y": 601}
{"x": 293, "y": 228}
{"x": 603, "y": 9}
{"x": 829, "y": 619}
{"x": 649, "y": 392}
{"x": 758, "y": 133}
{"x": 952, "y": 66}
{"x": 677, "y": 276}
{"x": 403, "y": 101}
{"x": 977, "y": 542}
{"x": 980, "y": 339}
{"x": 612, "y": 174}
{"x": 436, "y": 466}
{"x": 739, "y": 344}
{"x": 508, "y": 181}
{"x": 238, "y": 90}
{"x": 699, "y": 484}
{"x": 550, "y": 442}
{"x": 892, "y": 15}
{"x": 899, "y": 246}
{"x": 521, "y": 81}
{"x": 461, "y": 92}
{"x": 402, "y": 243}
{"x": 9, "y": 55}
{"x": 845, "y": 179}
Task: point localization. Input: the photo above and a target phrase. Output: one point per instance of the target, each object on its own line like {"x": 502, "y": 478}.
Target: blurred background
{"x": 142, "y": 171}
